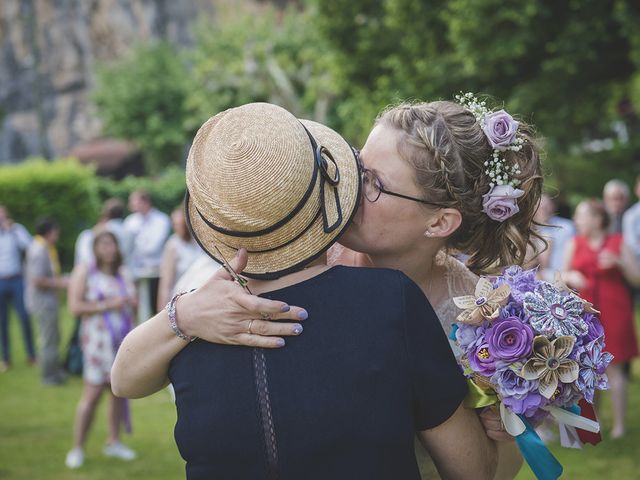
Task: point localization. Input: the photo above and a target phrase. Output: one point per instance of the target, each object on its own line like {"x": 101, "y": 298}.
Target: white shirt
{"x": 559, "y": 234}
{"x": 13, "y": 241}
{"x": 631, "y": 229}
{"x": 148, "y": 233}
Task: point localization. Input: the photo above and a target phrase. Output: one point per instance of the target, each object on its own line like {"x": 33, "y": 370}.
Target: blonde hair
{"x": 448, "y": 150}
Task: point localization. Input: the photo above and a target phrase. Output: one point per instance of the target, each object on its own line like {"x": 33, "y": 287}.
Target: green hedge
{"x": 63, "y": 190}
{"x": 166, "y": 190}
{"x": 72, "y": 194}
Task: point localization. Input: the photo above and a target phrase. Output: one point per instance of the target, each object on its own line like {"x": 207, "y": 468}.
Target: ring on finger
{"x": 265, "y": 316}
{"x": 250, "y": 325}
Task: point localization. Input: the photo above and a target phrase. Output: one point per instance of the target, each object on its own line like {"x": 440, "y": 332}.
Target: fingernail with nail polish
{"x": 281, "y": 342}
{"x": 285, "y": 308}
{"x": 303, "y": 315}
{"x": 297, "y": 330}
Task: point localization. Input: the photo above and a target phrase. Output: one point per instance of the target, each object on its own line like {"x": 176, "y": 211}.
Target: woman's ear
{"x": 443, "y": 223}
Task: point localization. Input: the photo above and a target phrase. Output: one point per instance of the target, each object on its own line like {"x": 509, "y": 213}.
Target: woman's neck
{"x": 417, "y": 264}
{"x": 310, "y": 270}
{"x": 106, "y": 268}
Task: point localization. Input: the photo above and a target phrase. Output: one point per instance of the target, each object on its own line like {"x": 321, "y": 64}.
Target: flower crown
{"x": 501, "y": 130}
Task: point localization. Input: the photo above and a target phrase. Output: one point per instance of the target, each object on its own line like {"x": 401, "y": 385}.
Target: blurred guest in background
{"x": 557, "y": 231}
{"x": 104, "y": 295}
{"x": 14, "y": 242}
{"x": 597, "y": 265}
{"x": 616, "y": 200}
{"x": 631, "y": 225}
{"x": 44, "y": 279}
{"x": 180, "y": 251}
{"x": 149, "y": 229}
{"x": 111, "y": 219}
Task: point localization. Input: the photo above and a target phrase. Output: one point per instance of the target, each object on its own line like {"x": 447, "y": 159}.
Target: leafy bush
{"x": 63, "y": 190}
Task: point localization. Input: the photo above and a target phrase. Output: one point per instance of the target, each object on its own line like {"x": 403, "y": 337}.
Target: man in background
{"x": 44, "y": 279}
{"x": 14, "y": 242}
{"x": 148, "y": 229}
{"x": 615, "y": 196}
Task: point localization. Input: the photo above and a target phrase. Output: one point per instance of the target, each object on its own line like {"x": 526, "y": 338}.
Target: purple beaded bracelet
{"x": 171, "y": 311}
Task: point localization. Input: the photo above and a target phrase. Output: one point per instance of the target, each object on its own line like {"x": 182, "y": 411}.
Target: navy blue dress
{"x": 372, "y": 367}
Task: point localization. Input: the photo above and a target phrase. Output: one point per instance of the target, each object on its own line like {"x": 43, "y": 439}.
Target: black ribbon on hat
{"x": 322, "y": 157}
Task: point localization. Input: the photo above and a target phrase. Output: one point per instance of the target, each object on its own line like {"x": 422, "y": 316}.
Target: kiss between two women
{"x": 349, "y": 256}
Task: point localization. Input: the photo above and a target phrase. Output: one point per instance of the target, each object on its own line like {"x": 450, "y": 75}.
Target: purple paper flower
{"x": 566, "y": 394}
{"x": 510, "y": 383}
{"x": 501, "y": 202}
{"x": 521, "y": 281}
{"x": 593, "y": 363}
{"x": 481, "y": 360}
{"x": 509, "y": 339}
{"x": 595, "y": 331}
{"x": 468, "y": 335}
{"x": 500, "y": 129}
{"x": 553, "y": 314}
{"x": 526, "y": 404}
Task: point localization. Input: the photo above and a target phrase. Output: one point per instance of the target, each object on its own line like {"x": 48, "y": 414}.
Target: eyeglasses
{"x": 372, "y": 186}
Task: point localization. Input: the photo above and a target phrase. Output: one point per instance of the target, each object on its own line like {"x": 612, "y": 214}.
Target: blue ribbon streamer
{"x": 543, "y": 464}
{"x": 573, "y": 409}
{"x": 452, "y": 334}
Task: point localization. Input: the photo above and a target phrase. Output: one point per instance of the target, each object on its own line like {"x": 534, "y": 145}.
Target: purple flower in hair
{"x": 501, "y": 202}
{"x": 500, "y": 129}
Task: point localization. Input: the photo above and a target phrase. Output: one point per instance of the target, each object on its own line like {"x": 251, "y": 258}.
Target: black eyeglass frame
{"x": 380, "y": 187}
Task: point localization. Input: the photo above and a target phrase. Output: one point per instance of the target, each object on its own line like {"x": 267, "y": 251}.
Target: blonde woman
{"x": 427, "y": 186}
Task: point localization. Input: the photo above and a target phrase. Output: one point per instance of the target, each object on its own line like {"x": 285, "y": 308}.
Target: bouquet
{"x": 536, "y": 349}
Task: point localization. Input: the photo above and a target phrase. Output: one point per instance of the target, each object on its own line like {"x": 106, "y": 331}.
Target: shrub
{"x": 63, "y": 190}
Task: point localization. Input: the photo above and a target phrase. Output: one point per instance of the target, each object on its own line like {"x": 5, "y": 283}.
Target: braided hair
{"x": 447, "y": 148}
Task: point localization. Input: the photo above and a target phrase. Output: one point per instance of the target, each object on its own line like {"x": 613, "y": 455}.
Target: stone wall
{"x": 48, "y": 53}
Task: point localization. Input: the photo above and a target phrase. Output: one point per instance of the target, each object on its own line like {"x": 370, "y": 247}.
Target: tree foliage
{"x": 569, "y": 67}
{"x": 143, "y": 98}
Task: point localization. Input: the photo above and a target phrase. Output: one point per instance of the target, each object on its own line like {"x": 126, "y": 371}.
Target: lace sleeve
{"x": 460, "y": 281}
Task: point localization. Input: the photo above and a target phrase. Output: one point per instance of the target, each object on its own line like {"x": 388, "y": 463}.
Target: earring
{"x": 429, "y": 233}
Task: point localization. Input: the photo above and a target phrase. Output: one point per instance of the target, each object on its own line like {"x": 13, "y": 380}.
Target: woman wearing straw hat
{"x": 344, "y": 399}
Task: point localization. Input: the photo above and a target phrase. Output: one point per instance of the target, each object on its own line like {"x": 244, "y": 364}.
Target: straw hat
{"x": 283, "y": 188}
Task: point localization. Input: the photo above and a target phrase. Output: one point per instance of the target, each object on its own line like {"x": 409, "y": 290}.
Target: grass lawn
{"x": 36, "y": 423}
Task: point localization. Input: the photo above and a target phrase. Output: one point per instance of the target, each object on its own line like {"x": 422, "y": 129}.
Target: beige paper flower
{"x": 560, "y": 285}
{"x": 550, "y": 364}
{"x": 485, "y": 305}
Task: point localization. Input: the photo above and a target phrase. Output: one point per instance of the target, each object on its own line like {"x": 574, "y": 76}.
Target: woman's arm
{"x": 509, "y": 456}
{"x": 167, "y": 275}
{"x": 572, "y": 278}
{"x": 220, "y": 312}
{"x": 629, "y": 266}
{"x": 460, "y": 448}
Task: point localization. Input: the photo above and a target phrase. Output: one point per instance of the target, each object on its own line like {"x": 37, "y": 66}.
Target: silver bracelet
{"x": 171, "y": 311}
